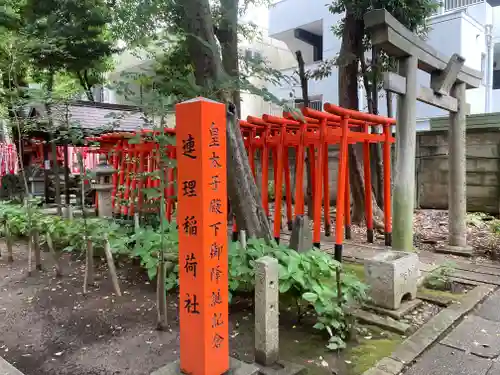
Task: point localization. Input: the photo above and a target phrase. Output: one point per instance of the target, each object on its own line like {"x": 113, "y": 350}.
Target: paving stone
{"x": 375, "y": 371}
{"x": 443, "y": 360}
{"x": 456, "y": 250}
{"x": 381, "y": 321}
{"x": 490, "y": 309}
{"x": 435, "y": 298}
{"x": 476, "y": 335}
{"x": 494, "y": 369}
{"x": 465, "y": 281}
{"x": 389, "y": 365}
{"x": 438, "y": 324}
{"x": 405, "y": 308}
{"x": 412, "y": 347}
{"x": 477, "y": 268}
{"x": 468, "y": 275}
{"x": 7, "y": 369}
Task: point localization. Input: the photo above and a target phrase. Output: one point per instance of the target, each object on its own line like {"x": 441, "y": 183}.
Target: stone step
{"x": 477, "y": 268}
{"x": 384, "y": 322}
{"x": 405, "y": 308}
{"x": 483, "y": 278}
{"x": 443, "y": 301}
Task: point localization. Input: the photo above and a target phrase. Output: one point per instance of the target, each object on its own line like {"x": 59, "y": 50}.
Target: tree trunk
{"x": 57, "y": 180}
{"x": 376, "y": 148}
{"x": 48, "y": 109}
{"x": 46, "y": 170}
{"x": 227, "y": 34}
{"x": 9, "y": 240}
{"x": 161, "y": 296}
{"x": 348, "y": 98}
{"x": 242, "y": 190}
{"x": 66, "y": 176}
{"x": 89, "y": 264}
{"x": 304, "y": 85}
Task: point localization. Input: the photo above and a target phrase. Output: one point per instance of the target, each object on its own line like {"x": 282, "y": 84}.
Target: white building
{"x": 461, "y": 26}
{"x": 128, "y": 63}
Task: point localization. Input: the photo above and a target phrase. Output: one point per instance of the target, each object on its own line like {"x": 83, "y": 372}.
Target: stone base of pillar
{"x": 283, "y": 368}
{"x": 465, "y": 251}
{"x": 237, "y": 368}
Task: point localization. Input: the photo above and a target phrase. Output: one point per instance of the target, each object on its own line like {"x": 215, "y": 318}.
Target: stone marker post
{"x": 266, "y": 311}
{"x": 301, "y": 238}
{"x": 202, "y": 220}
{"x": 457, "y": 206}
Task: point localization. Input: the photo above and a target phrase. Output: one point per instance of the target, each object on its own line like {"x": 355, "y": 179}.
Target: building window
{"x": 314, "y": 103}
{"x": 496, "y": 79}
{"x": 252, "y": 55}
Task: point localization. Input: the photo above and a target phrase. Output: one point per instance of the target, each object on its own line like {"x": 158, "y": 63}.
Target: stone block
{"x": 301, "y": 239}
{"x": 392, "y": 277}
{"x": 465, "y": 251}
{"x": 266, "y": 311}
{"x": 282, "y": 368}
{"x": 405, "y": 308}
{"x": 237, "y": 367}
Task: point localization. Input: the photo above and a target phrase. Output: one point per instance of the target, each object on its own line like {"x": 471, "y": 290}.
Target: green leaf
{"x": 319, "y": 326}
{"x": 310, "y": 297}
{"x": 152, "y": 273}
{"x": 285, "y": 286}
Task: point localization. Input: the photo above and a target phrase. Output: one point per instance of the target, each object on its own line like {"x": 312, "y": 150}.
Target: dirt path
{"x": 48, "y": 327}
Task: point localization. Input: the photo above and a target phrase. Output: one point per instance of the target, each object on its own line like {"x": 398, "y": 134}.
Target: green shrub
{"x": 309, "y": 278}
{"x": 439, "y": 278}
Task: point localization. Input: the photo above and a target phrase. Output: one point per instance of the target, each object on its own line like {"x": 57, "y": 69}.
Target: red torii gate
{"x": 314, "y": 132}
{"x": 135, "y": 163}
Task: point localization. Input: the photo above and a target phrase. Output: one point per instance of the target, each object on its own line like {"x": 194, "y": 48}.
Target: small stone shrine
{"x": 392, "y": 277}
{"x": 104, "y": 186}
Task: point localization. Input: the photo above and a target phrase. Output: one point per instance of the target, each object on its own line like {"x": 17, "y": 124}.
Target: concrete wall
{"x": 483, "y": 165}
{"x": 483, "y": 169}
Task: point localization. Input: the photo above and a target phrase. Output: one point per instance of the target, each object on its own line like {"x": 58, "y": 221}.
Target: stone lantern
{"x": 104, "y": 186}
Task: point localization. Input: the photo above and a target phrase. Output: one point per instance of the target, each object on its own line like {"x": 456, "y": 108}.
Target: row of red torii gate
{"x": 268, "y": 139}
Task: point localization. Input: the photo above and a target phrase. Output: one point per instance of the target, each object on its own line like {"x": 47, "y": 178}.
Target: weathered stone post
{"x": 301, "y": 238}
{"x": 104, "y": 186}
{"x": 404, "y": 174}
{"x": 266, "y": 311}
{"x": 457, "y": 205}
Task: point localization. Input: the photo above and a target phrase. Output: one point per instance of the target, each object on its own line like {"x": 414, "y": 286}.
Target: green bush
{"x": 439, "y": 279}
{"x": 309, "y": 279}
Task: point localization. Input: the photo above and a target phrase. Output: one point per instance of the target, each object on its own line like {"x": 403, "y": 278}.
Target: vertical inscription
{"x": 202, "y": 220}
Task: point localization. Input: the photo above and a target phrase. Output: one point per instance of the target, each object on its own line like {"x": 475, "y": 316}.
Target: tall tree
{"x": 353, "y": 65}
{"x": 208, "y": 32}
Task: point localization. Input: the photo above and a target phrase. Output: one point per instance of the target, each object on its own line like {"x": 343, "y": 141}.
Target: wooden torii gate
{"x": 448, "y": 84}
